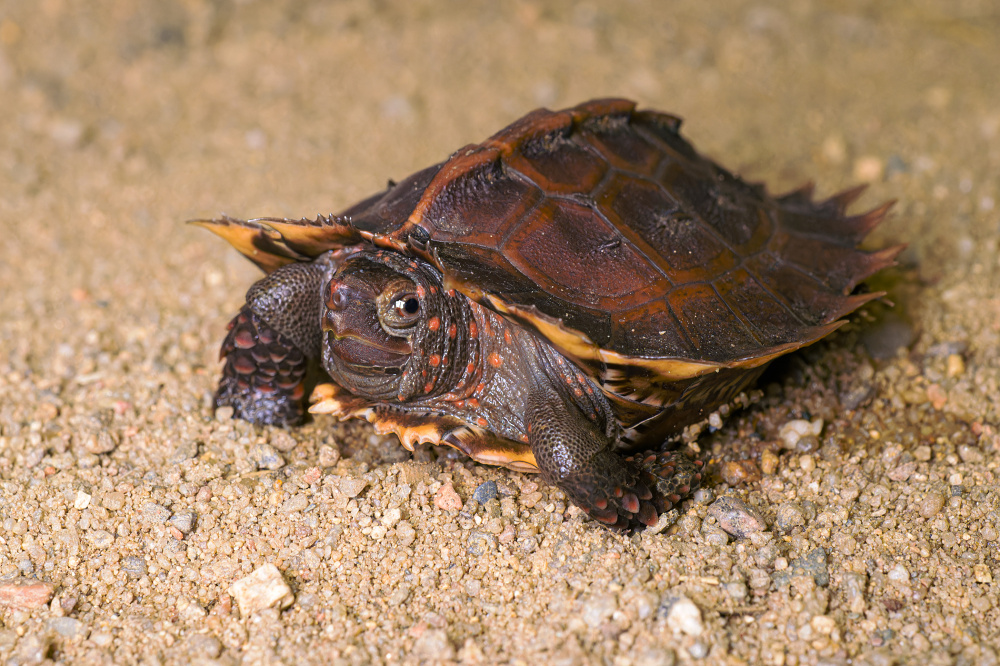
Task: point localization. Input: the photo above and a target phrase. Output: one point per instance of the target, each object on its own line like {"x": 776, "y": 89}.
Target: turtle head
{"x": 381, "y": 311}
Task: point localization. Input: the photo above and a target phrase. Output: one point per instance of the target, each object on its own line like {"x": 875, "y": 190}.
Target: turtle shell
{"x": 603, "y": 230}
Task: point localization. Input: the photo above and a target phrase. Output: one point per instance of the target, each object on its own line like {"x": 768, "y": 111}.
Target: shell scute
{"x": 574, "y": 254}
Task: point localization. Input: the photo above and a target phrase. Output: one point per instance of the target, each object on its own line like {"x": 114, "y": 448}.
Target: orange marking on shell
{"x": 470, "y": 368}
{"x": 473, "y": 402}
{"x": 452, "y": 331}
{"x": 482, "y": 422}
{"x": 420, "y": 291}
{"x": 473, "y": 330}
{"x": 444, "y": 360}
{"x": 460, "y": 404}
{"x": 506, "y": 335}
{"x": 434, "y": 360}
{"x": 577, "y": 392}
{"x": 495, "y": 360}
{"x": 450, "y": 396}
{"x": 434, "y": 289}
{"x": 451, "y": 292}
{"x": 480, "y": 387}
{"x": 429, "y": 386}
{"x": 434, "y": 323}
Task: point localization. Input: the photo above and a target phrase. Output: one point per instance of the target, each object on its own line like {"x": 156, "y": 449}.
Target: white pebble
{"x": 685, "y": 617}
{"x": 899, "y": 573}
{"x": 795, "y": 430}
{"x": 264, "y": 588}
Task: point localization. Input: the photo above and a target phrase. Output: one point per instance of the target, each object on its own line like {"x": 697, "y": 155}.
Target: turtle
{"x": 564, "y": 298}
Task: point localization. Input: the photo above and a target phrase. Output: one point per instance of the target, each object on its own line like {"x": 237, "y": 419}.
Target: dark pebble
{"x": 887, "y": 337}
{"x": 485, "y": 492}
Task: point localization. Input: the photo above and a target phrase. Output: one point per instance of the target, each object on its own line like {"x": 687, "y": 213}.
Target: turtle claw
{"x": 631, "y": 493}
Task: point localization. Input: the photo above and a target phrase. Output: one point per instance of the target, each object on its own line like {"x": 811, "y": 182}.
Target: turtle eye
{"x": 403, "y": 311}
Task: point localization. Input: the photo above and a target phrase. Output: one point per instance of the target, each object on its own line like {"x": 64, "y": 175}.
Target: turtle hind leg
{"x": 272, "y": 344}
{"x": 264, "y": 377}
{"x": 577, "y": 455}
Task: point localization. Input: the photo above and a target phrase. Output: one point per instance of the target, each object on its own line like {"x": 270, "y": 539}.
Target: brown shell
{"x": 602, "y": 229}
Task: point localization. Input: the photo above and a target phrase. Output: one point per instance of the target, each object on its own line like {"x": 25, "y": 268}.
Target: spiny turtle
{"x": 575, "y": 289}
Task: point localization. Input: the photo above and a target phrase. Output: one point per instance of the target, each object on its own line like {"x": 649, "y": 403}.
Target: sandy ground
{"x": 129, "y": 509}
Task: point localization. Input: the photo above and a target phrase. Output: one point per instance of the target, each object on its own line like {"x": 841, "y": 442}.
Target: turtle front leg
{"x": 271, "y": 345}
{"x": 576, "y": 455}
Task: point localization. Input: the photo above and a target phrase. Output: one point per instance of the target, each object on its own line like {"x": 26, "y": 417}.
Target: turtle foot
{"x": 671, "y": 474}
{"x": 265, "y": 373}
{"x": 631, "y": 493}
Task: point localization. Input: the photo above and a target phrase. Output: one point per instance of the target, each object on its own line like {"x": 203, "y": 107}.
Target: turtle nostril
{"x": 338, "y": 296}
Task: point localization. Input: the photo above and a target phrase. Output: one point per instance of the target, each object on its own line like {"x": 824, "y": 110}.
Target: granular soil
{"x": 861, "y": 477}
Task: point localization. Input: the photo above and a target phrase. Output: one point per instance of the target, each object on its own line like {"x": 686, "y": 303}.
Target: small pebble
{"x": 796, "y": 429}
{"x": 955, "y": 366}
{"x": 183, "y": 451}
{"x": 264, "y": 588}
{"x": 183, "y": 521}
{"x": 25, "y": 593}
{"x": 599, "y": 608}
{"x": 481, "y": 543}
{"x": 352, "y": 486}
{"x": 768, "y": 462}
{"x": 868, "y": 168}
{"x": 264, "y": 456}
{"x": 434, "y": 645}
{"x": 969, "y": 454}
{"x": 391, "y": 517}
{"x": 155, "y": 513}
{"x": 704, "y": 496}
{"x": 82, "y": 500}
{"x": 931, "y": 504}
{"x": 134, "y": 566}
{"x": 282, "y": 441}
{"x": 447, "y": 499}
{"x": 485, "y": 492}
{"x": 736, "y": 517}
{"x": 224, "y": 414}
{"x": 736, "y": 472}
{"x": 203, "y": 646}
{"x": 898, "y": 573}
{"x": 685, "y": 617}
{"x": 113, "y": 501}
{"x": 101, "y": 442}
{"x": 788, "y": 516}
{"x": 100, "y": 538}
{"x": 328, "y": 455}
{"x": 297, "y": 502}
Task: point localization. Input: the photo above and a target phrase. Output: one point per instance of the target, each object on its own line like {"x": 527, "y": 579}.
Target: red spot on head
{"x": 482, "y": 422}
{"x": 460, "y": 404}
{"x": 506, "y": 335}
{"x": 434, "y": 323}
{"x": 473, "y": 403}
{"x": 434, "y": 360}
{"x": 577, "y": 392}
{"x": 420, "y": 291}
{"x": 452, "y": 330}
{"x": 469, "y": 369}
{"x": 451, "y": 292}
{"x": 495, "y": 360}
{"x": 429, "y": 386}
{"x": 480, "y": 387}
{"x": 444, "y": 360}
{"x": 473, "y": 330}
{"x": 434, "y": 289}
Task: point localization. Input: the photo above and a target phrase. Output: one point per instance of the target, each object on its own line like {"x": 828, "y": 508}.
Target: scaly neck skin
{"x": 488, "y": 370}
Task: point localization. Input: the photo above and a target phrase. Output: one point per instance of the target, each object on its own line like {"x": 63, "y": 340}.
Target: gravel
{"x": 114, "y": 310}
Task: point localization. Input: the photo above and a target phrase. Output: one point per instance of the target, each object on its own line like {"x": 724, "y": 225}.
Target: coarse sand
{"x": 139, "y": 526}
